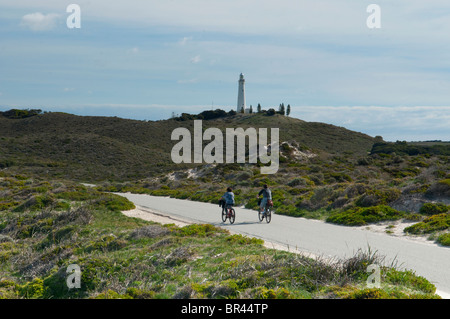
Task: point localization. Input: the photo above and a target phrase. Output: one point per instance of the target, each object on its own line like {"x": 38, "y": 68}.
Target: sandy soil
{"x": 395, "y": 229}
{"x": 150, "y": 215}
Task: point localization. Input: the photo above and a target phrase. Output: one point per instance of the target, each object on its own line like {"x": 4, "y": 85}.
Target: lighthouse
{"x": 241, "y": 94}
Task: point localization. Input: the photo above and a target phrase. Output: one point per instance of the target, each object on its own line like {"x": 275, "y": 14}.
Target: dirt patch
{"x": 150, "y": 215}
{"x": 395, "y": 229}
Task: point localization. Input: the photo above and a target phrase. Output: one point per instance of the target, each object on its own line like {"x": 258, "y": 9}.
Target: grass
{"x": 122, "y": 257}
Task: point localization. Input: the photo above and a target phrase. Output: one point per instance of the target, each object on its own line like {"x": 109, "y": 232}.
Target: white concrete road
{"x": 315, "y": 237}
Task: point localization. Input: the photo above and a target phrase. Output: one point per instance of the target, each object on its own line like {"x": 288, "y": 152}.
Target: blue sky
{"x": 146, "y": 59}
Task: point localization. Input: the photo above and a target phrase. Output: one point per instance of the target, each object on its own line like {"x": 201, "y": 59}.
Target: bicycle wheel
{"x": 224, "y": 214}
{"x": 268, "y": 215}
{"x": 232, "y": 215}
{"x": 260, "y": 215}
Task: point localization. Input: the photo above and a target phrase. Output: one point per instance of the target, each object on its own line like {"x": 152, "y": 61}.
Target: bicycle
{"x": 267, "y": 213}
{"x": 228, "y": 212}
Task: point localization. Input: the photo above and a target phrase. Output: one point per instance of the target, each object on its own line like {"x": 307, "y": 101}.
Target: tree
{"x": 288, "y": 110}
{"x": 251, "y": 109}
{"x": 259, "y": 108}
{"x": 281, "y": 110}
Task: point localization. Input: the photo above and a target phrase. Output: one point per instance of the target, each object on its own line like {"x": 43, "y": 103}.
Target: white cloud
{"x": 184, "y": 41}
{"x": 266, "y": 16}
{"x": 134, "y": 50}
{"x": 40, "y": 22}
{"x": 196, "y": 59}
{"x": 69, "y": 89}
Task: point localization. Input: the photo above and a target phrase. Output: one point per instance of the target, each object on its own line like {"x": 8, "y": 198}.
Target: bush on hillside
{"x": 364, "y": 216}
{"x": 430, "y": 224}
{"x": 205, "y": 115}
{"x": 20, "y": 114}
{"x": 433, "y": 209}
{"x": 403, "y": 148}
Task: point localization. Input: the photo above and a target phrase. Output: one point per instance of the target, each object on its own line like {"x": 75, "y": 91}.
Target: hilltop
{"x": 99, "y": 148}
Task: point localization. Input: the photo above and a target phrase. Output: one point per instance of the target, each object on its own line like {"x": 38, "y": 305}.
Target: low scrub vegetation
{"x": 430, "y": 224}
{"x": 404, "y": 148}
{"x": 122, "y": 257}
{"x": 434, "y": 209}
{"x": 20, "y": 114}
{"x": 363, "y": 216}
{"x": 326, "y": 172}
{"x": 340, "y": 189}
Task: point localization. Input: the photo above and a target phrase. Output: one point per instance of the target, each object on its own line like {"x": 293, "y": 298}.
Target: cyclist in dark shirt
{"x": 267, "y": 195}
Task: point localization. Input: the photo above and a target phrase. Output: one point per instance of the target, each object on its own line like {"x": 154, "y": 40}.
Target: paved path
{"x": 315, "y": 237}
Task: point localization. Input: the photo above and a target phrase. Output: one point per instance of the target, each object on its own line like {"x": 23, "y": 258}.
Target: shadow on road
{"x": 237, "y": 223}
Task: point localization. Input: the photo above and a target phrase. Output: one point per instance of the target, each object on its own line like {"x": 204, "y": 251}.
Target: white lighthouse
{"x": 241, "y": 94}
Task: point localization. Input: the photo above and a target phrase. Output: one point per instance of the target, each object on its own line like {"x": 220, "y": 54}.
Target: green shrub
{"x": 4, "y": 283}
{"x": 94, "y": 270}
{"x": 20, "y": 114}
{"x": 252, "y": 203}
{"x": 61, "y": 206}
{"x": 243, "y": 240}
{"x": 106, "y": 243}
{"x": 374, "y": 197}
{"x": 433, "y": 209}
{"x": 370, "y": 293}
{"x": 36, "y": 203}
{"x": 337, "y": 177}
{"x": 114, "y": 202}
{"x": 7, "y": 205}
{"x": 362, "y": 216}
{"x": 136, "y": 293}
{"x": 289, "y": 210}
{"x": 430, "y": 224}
{"x": 265, "y": 293}
{"x": 80, "y": 194}
{"x": 444, "y": 239}
{"x": 203, "y": 230}
{"x": 32, "y": 290}
{"x": 409, "y": 279}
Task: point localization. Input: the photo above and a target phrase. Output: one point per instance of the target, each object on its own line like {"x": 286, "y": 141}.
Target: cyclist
{"x": 267, "y": 195}
{"x": 228, "y": 197}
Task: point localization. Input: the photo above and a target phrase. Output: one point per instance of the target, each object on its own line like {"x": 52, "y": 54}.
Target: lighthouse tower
{"x": 241, "y": 94}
